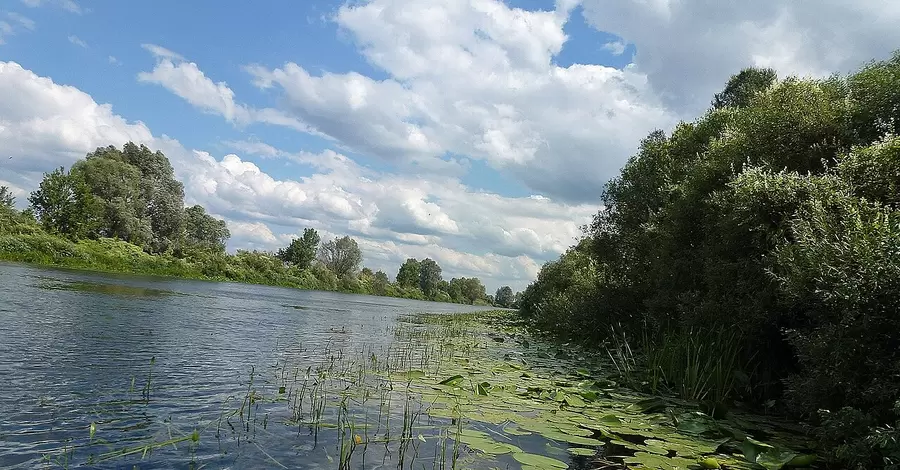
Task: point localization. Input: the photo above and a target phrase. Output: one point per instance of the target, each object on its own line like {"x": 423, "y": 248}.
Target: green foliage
{"x": 429, "y": 277}
{"x": 302, "y": 251}
{"x": 504, "y": 297}
{"x": 752, "y": 254}
{"x": 202, "y": 231}
{"x": 743, "y": 87}
{"x": 7, "y": 200}
{"x": 408, "y": 275}
{"x": 64, "y": 204}
{"x": 341, "y": 255}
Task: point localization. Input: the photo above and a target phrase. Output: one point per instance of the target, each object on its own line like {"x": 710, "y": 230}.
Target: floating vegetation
{"x": 446, "y": 394}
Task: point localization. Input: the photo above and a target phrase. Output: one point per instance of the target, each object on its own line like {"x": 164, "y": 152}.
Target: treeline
{"x": 123, "y": 210}
{"x": 754, "y": 255}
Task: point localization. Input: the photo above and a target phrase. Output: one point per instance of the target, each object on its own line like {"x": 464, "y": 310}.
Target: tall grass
{"x": 699, "y": 365}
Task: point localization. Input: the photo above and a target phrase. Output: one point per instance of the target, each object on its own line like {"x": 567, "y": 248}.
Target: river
{"x": 77, "y": 347}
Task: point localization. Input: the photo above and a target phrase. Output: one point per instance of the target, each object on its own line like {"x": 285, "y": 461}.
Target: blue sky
{"x": 475, "y": 132}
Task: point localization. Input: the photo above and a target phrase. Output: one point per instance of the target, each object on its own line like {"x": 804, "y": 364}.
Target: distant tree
{"x": 467, "y": 289}
{"x": 302, "y": 251}
{"x": 429, "y": 276}
{"x": 116, "y": 185}
{"x": 63, "y": 203}
{"x": 366, "y": 272}
{"x": 380, "y": 283}
{"x": 162, "y": 193}
{"x": 341, "y": 255}
{"x": 7, "y": 200}
{"x": 408, "y": 275}
{"x": 455, "y": 290}
{"x": 741, "y": 88}
{"x": 203, "y": 231}
{"x": 504, "y": 297}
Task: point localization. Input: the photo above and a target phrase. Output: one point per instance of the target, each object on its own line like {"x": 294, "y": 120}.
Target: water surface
{"x": 78, "y": 348}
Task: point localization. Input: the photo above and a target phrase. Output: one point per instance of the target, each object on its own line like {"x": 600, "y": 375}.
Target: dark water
{"x": 76, "y": 348}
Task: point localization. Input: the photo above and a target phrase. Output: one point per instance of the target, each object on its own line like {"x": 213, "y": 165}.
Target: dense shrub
{"x": 765, "y": 232}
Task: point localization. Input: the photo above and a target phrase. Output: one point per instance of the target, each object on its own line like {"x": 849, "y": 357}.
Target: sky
{"x": 479, "y": 133}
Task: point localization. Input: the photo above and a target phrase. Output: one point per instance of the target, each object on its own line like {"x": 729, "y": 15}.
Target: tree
{"x": 504, "y": 297}
{"x": 741, "y": 88}
{"x": 63, "y": 204}
{"x": 429, "y": 277}
{"x": 116, "y": 186}
{"x": 162, "y": 193}
{"x": 302, "y": 251}
{"x": 467, "y": 289}
{"x": 380, "y": 283}
{"x": 7, "y": 200}
{"x": 408, "y": 275}
{"x": 203, "y": 231}
{"x": 341, "y": 255}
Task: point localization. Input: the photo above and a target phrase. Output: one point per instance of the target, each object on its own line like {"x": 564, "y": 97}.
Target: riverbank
{"x": 116, "y": 256}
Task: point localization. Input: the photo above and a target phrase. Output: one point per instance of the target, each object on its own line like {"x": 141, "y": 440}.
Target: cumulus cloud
{"x": 689, "y": 49}
{"x": 476, "y": 78}
{"x": 185, "y": 79}
{"x": 393, "y": 216}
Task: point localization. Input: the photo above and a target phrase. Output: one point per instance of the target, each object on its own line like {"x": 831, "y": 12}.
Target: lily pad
{"x": 538, "y": 461}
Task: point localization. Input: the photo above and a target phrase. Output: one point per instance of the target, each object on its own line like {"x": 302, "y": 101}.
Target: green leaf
{"x": 452, "y": 381}
{"x": 538, "y": 461}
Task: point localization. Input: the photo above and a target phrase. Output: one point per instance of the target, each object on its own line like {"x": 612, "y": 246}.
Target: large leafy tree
{"x": 429, "y": 276}
{"x": 63, "y": 204}
{"x": 408, "y": 275}
{"x": 380, "y": 283}
{"x": 341, "y": 255}
{"x": 302, "y": 251}
{"x": 116, "y": 186}
{"x": 162, "y": 193}
{"x": 504, "y": 297}
{"x": 203, "y": 231}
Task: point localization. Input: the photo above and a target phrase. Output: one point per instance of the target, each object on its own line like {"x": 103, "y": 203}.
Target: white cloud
{"x": 393, "y": 216}
{"x": 474, "y": 79}
{"x": 69, "y": 5}
{"x": 615, "y": 47}
{"x": 13, "y": 24}
{"x": 113, "y": 60}
{"x": 689, "y": 49}
{"x": 77, "y": 41}
{"x": 22, "y": 20}
{"x": 185, "y": 79}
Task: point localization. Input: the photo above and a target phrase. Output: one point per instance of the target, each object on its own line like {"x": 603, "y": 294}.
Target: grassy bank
{"x": 33, "y": 245}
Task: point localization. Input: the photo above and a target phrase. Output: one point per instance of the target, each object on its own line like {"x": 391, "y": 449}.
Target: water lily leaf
{"x": 775, "y": 459}
{"x": 582, "y": 451}
{"x": 454, "y": 380}
{"x": 538, "y": 461}
{"x": 574, "y": 400}
{"x": 659, "y": 462}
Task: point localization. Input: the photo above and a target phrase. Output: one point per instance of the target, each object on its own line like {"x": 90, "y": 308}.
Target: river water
{"x": 150, "y": 360}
